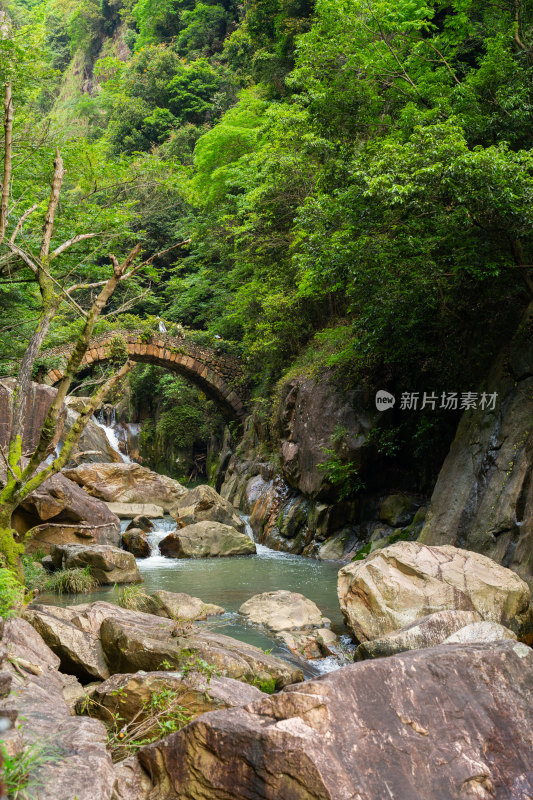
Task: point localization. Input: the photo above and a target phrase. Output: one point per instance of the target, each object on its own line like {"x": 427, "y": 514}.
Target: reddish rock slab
{"x": 447, "y": 723}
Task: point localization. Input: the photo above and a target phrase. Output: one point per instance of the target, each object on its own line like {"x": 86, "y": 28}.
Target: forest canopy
{"x": 355, "y": 177}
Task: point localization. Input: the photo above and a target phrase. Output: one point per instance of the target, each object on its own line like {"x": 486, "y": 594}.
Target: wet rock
{"x": 127, "y": 483}
{"x": 293, "y": 618}
{"x": 142, "y": 523}
{"x": 206, "y": 540}
{"x": 483, "y": 632}
{"x": 425, "y": 632}
{"x": 370, "y": 730}
{"x": 129, "y": 695}
{"x": 203, "y": 503}
{"x": 80, "y": 652}
{"x": 77, "y": 763}
{"x": 399, "y": 584}
{"x": 181, "y": 606}
{"x": 134, "y": 541}
{"x": 108, "y": 565}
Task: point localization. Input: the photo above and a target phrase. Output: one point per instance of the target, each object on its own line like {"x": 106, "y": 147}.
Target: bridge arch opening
{"x": 215, "y": 373}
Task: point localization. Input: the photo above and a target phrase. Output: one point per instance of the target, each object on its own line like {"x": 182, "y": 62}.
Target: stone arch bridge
{"x": 214, "y": 372}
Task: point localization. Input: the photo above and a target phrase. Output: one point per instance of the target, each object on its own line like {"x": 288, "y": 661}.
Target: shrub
{"x": 11, "y": 594}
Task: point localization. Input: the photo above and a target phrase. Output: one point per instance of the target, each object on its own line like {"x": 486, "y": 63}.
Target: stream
{"x": 230, "y": 581}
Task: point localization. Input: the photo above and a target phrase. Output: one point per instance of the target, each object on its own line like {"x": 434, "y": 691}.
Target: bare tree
{"x": 25, "y": 472}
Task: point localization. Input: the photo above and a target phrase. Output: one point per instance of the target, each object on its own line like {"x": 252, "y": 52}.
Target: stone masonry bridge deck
{"x": 215, "y": 373}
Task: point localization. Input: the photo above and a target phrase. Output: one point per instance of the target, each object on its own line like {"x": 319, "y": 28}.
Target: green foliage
{"x": 21, "y": 771}
{"x": 35, "y": 576}
{"x": 342, "y": 475}
{"x": 77, "y": 580}
{"x": 267, "y": 686}
{"x": 11, "y": 594}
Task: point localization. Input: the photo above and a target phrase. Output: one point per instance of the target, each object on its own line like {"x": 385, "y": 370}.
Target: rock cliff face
{"x": 483, "y": 499}
{"x": 288, "y": 495}
{"x": 93, "y": 444}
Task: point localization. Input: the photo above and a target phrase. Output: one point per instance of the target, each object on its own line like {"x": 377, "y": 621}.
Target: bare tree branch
{"x": 21, "y": 222}
{"x": 8, "y": 162}
{"x": 48, "y": 227}
{"x": 75, "y": 239}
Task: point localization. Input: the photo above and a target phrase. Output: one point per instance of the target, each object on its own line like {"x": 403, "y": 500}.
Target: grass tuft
{"x": 71, "y": 581}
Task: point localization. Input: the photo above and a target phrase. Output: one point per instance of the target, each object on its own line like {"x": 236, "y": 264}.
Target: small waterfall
{"x": 110, "y": 432}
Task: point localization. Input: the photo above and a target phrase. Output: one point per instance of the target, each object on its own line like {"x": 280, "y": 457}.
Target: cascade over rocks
{"x": 127, "y": 483}
{"x": 398, "y": 585}
{"x": 203, "y": 503}
{"x": 108, "y": 565}
{"x": 206, "y": 540}
{"x": 452, "y": 721}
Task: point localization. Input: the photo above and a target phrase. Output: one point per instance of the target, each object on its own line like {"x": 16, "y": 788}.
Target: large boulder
{"x": 127, "y": 483}
{"x": 38, "y": 402}
{"x": 108, "y": 565}
{"x": 62, "y": 513}
{"x": 483, "y": 498}
{"x": 181, "y": 606}
{"x": 135, "y": 641}
{"x": 206, "y": 540}
{"x": 396, "y": 586}
{"x": 293, "y": 618}
{"x": 134, "y": 541}
{"x": 204, "y": 503}
{"x": 71, "y": 758}
{"x": 448, "y": 722}
{"x": 80, "y": 651}
{"x": 130, "y": 694}
{"x": 425, "y": 632}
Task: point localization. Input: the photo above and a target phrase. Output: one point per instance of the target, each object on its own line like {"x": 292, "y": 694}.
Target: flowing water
{"x": 111, "y": 434}
{"x": 228, "y": 582}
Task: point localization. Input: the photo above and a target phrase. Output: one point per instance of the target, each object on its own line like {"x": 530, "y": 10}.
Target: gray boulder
{"x": 108, "y": 565}
{"x": 206, "y": 540}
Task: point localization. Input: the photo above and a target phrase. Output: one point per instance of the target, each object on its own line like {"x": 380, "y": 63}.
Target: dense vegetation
{"x": 355, "y": 176}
